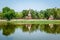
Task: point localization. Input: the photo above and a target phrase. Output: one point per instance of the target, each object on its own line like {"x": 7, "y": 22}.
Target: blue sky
{"x": 19, "y": 5}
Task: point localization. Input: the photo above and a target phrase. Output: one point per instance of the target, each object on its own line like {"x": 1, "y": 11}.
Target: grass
{"x": 35, "y": 21}
{"x": 32, "y": 21}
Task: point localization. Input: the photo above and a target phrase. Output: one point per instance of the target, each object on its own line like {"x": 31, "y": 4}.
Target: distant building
{"x": 51, "y": 17}
{"x": 29, "y": 15}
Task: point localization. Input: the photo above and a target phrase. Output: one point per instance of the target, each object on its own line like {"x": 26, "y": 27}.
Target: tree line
{"x": 8, "y": 13}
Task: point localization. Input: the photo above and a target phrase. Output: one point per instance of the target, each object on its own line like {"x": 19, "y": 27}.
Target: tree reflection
{"x": 30, "y": 27}
{"x": 8, "y": 29}
{"x": 47, "y": 28}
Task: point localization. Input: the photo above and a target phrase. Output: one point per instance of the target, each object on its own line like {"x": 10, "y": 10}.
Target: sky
{"x": 19, "y": 5}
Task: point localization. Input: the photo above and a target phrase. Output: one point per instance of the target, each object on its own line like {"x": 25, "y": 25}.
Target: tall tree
{"x": 8, "y": 13}
{"x": 5, "y": 9}
{"x": 25, "y": 13}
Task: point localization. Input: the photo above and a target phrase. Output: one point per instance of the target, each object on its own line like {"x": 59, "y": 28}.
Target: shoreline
{"x": 31, "y": 21}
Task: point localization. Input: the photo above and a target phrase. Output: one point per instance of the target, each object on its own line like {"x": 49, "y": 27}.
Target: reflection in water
{"x": 51, "y": 25}
{"x": 9, "y": 28}
{"x": 47, "y": 28}
{"x": 28, "y": 26}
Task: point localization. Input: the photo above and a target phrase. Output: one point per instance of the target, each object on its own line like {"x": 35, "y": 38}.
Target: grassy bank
{"x": 32, "y": 21}
{"x": 35, "y": 21}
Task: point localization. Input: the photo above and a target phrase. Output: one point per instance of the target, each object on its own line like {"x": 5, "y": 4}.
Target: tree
{"x": 18, "y": 15}
{"x": 41, "y": 14}
{"x": 8, "y": 13}
{"x": 1, "y": 15}
{"x": 25, "y": 13}
{"x": 33, "y": 13}
{"x": 5, "y": 9}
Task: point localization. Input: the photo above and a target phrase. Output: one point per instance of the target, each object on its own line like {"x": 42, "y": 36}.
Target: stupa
{"x": 51, "y": 17}
{"x": 29, "y": 15}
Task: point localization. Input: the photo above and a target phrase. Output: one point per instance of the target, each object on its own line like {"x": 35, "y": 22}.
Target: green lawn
{"x": 35, "y": 21}
{"x": 32, "y": 21}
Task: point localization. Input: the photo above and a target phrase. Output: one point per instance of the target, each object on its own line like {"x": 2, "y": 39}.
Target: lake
{"x": 12, "y": 31}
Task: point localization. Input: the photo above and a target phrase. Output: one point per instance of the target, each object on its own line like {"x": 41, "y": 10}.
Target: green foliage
{"x": 8, "y": 13}
{"x": 1, "y": 15}
{"x": 5, "y": 9}
{"x": 25, "y": 13}
{"x": 41, "y": 15}
{"x": 18, "y": 15}
{"x": 55, "y": 12}
{"x": 33, "y": 13}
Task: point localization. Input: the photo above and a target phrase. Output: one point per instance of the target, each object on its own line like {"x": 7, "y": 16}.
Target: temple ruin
{"x": 29, "y": 15}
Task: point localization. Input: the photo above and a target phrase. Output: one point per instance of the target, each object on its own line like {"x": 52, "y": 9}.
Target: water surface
{"x": 11, "y": 31}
